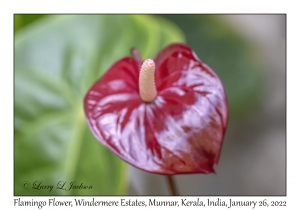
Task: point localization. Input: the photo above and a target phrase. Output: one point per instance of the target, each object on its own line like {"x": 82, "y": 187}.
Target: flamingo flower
{"x": 165, "y": 116}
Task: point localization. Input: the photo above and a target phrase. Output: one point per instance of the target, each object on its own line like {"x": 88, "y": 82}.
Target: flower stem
{"x": 136, "y": 55}
{"x": 172, "y": 185}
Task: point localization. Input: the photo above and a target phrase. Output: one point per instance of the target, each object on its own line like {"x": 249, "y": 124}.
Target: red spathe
{"x": 180, "y": 132}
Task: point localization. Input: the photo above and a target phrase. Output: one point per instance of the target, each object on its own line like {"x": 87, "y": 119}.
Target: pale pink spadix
{"x": 147, "y": 86}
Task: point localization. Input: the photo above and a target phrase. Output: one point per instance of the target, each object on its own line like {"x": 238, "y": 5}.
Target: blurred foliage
{"x": 216, "y": 44}
{"x": 57, "y": 59}
{"x": 20, "y": 21}
{"x": 231, "y": 56}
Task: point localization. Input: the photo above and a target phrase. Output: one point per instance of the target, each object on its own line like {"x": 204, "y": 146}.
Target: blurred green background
{"x": 57, "y": 59}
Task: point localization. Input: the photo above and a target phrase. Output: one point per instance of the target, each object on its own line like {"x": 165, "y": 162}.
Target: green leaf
{"x": 22, "y": 20}
{"x": 57, "y": 59}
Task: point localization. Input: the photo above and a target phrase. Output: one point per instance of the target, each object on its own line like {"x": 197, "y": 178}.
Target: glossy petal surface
{"x": 181, "y": 131}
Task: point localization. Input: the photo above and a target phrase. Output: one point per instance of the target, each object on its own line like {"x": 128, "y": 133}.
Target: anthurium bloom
{"x": 178, "y": 129}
